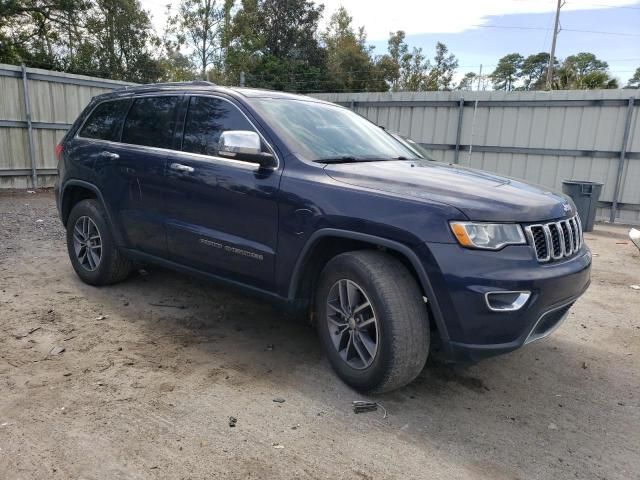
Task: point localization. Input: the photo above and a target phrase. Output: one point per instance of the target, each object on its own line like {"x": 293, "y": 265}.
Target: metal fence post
{"x": 623, "y": 154}
{"x": 27, "y": 108}
{"x": 352, "y": 104}
{"x": 459, "y": 132}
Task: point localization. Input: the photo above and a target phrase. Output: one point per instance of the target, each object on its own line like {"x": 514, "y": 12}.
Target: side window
{"x": 150, "y": 122}
{"x": 207, "y": 118}
{"x": 105, "y": 120}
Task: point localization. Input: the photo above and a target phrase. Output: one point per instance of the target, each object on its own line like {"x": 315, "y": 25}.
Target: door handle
{"x": 178, "y": 167}
{"x": 110, "y": 155}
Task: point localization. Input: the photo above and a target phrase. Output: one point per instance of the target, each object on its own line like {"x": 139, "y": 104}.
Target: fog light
{"x": 506, "y": 301}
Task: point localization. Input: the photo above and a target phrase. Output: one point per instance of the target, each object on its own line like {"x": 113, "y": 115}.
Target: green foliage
{"x": 412, "y": 71}
{"x": 468, "y": 81}
{"x": 108, "y": 38}
{"x": 634, "y": 82}
{"x": 584, "y": 71}
{"x": 350, "y": 67}
{"x": 276, "y": 43}
{"x": 508, "y": 72}
{"x": 534, "y": 71}
{"x": 441, "y": 72}
{"x": 198, "y": 26}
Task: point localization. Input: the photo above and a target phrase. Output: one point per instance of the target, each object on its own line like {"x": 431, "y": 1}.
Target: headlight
{"x": 489, "y": 236}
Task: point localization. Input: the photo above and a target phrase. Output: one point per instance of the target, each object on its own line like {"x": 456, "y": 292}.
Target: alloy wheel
{"x": 87, "y": 243}
{"x": 353, "y": 326}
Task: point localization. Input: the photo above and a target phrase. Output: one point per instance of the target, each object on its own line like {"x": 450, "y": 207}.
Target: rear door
{"x": 222, "y": 213}
{"x": 131, "y": 171}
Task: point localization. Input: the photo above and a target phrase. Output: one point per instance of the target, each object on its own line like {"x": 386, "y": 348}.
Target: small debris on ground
{"x": 553, "y": 426}
{"x": 362, "y": 406}
{"x": 101, "y": 317}
{"x": 57, "y": 350}
{"x": 635, "y": 287}
{"x": 270, "y": 347}
{"x": 278, "y": 446}
{"x": 232, "y": 421}
{"x": 584, "y": 365}
{"x": 279, "y": 400}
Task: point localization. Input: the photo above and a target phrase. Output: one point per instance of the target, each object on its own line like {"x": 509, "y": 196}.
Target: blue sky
{"x": 486, "y": 45}
{"x": 455, "y": 22}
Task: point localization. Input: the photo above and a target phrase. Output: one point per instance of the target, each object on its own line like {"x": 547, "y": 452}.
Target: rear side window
{"x": 150, "y": 122}
{"x": 206, "y": 119}
{"x": 105, "y": 120}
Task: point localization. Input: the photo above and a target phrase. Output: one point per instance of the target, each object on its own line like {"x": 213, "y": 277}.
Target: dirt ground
{"x": 153, "y": 368}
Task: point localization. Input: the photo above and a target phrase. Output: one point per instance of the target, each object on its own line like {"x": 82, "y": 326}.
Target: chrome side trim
{"x": 517, "y": 304}
{"x": 214, "y": 159}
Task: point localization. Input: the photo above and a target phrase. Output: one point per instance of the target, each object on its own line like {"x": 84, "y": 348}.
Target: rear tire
{"x": 387, "y": 352}
{"x": 92, "y": 249}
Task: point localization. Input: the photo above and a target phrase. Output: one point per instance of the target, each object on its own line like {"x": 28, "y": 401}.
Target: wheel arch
{"x": 326, "y": 243}
{"x": 74, "y": 191}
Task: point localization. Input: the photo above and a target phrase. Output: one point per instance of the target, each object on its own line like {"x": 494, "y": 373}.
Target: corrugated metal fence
{"x": 542, "y": 137}
{"x": 32, "y": 124}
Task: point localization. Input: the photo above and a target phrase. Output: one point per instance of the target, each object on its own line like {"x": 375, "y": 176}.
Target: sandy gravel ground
{"x": 153, "y": 368}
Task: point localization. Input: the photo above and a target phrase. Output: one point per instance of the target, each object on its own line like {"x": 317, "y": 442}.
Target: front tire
{"x": 372, "y": 321}
{"x": 92, "y": 249}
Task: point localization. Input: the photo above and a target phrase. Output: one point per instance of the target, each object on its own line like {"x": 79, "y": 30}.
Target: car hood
{"x": 480, "y": 195}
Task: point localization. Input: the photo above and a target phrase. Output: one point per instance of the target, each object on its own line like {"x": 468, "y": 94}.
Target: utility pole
{"x": 552, "y": 55}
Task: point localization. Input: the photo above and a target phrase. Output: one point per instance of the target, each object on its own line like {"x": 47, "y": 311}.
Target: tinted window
{"x": 206, "y": 119}
{"x": 105, "y": 120}
{"x": 151, "y": 121}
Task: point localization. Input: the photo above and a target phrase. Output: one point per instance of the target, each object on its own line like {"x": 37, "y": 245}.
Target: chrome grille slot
{"x": 555, "y": 240}
{"x": 557, "y": 244}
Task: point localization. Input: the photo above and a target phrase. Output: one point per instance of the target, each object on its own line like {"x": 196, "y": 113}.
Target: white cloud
{"x": 429, "y": 16}
{"x": 379, "y": 17}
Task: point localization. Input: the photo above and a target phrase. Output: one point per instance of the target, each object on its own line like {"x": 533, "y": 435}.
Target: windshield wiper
{"x": 354, "y": 159}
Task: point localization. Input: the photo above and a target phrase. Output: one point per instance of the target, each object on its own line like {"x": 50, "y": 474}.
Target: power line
{"x": 519, "y": 27}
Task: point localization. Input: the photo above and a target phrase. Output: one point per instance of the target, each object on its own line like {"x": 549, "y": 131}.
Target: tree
{"x": 467, "y": 81}
{"x": 584, "y": 71}
{"x": 348, "y": 59}
{"x": 117, "y": 42}
{"x": 276, "y": 43}
{"x": 441, "y": 72}
{"x": 108, "y": 38}
{"x": 534, "y": 70}
{"x": 198, "y": 24}
{"x": 507, "y": 72}
{"x": 634, "y": 82}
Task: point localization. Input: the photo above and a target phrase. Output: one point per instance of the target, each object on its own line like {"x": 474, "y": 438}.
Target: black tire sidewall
{"x": 95, "y": 211}
{"x": 344, "y": 267}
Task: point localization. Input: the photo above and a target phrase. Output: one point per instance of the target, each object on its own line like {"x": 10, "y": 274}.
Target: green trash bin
{"x": 585, "y": 195}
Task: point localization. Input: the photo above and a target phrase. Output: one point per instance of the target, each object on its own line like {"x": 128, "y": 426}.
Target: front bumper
{"x": 461, "y": 277}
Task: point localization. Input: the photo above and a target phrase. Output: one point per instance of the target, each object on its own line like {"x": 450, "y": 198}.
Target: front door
{"x": 222, "y": 214}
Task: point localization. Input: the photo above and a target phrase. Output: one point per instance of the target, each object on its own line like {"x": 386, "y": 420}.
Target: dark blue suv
{"x": 309, "y": 205}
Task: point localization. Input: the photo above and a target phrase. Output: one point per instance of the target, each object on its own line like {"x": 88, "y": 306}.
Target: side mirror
{"x": 245, "y": 146}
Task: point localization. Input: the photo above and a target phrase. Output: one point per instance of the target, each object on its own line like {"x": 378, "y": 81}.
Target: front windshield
{"x": 415, "y": 146}
{"x": 318, "y": 131}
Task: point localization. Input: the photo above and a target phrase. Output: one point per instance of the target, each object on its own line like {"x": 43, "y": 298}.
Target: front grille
{"x": 556, "y": 240}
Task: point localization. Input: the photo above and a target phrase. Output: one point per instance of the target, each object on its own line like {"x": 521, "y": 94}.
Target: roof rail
{"x": 203, "y": 83}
